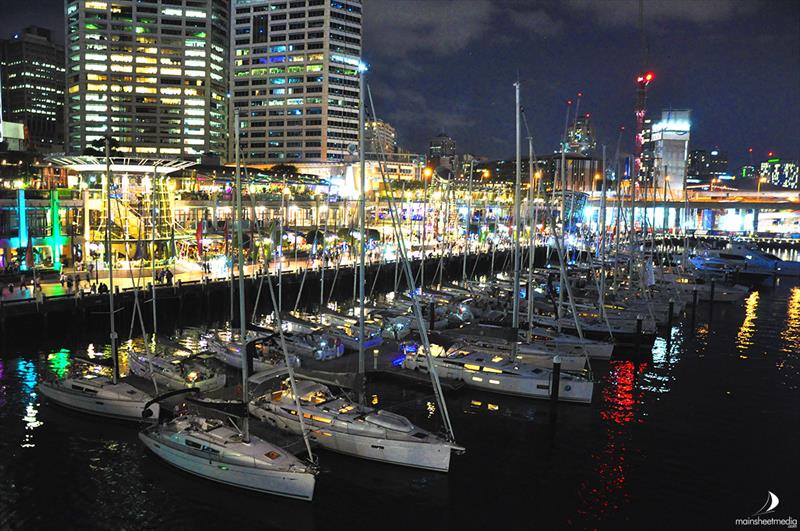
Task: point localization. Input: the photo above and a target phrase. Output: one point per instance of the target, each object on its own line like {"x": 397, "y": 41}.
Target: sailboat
{"x": 347, "y": 427}
{"x": 339, "y": 424}
{"x": 209, "y": 448}
{"x": 101, "y": 395}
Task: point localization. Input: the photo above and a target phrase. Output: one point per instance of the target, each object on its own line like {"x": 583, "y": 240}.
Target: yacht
{"x": 209, "y": 448}
{"x": 498, "y": 373}
{"x": 98, "y": 395}
{"x": 346, "y": 329}
{"x": 339, "y": 425}
{"x": 177, "y": 370}
{"x": 743, "y": 258}
{"x": 225, "y": 346}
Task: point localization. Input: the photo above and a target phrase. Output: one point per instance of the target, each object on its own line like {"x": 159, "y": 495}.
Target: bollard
{"x": 375, "y": 360}
{"x": 432, "y": 309}
{"x": 556, "y": 383}
{"x": 637, "y": 340}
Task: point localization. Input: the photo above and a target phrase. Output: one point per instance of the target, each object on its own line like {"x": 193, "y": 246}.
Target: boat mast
{"x": 531, "y": 242}
{"x": 111, "y": 313}
{"x": 468, "y": 220}
{"x": 153, "y": 246}
{"x": 517, "y": 201}
{"x": 403, "y": 256}
{"x": 362, "y": 229}
{"x": 237, "y": 216}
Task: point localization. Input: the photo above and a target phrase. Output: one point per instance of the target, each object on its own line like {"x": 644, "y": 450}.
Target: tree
{"x": 284, "y": 169}
{"x": 98, "y": 148}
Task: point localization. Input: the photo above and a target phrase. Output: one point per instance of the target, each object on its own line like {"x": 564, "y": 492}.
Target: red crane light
{"x": 649, "y": 76}
{"x": 770, "y": 154}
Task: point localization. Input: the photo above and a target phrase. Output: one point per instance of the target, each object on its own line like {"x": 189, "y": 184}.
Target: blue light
{"x": 398, "y": 361}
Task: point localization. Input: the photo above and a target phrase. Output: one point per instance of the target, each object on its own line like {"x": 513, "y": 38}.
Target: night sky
{"x": 450, "y": 65}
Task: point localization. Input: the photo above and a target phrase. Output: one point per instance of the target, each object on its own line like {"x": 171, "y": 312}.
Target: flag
{"x": 29, "y": 253}
{"x": 199, "y": 238}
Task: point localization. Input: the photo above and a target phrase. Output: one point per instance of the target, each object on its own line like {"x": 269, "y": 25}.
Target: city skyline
{"x": 709, "y": 57}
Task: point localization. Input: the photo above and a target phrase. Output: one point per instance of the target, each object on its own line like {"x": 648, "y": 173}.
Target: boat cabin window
{"x": 84, "y": 389}
{"x": 731, "y": 256}
{"x": 421, "y": 435}
{"x": 272, "y": 454}
{"x": 191, "y": 444}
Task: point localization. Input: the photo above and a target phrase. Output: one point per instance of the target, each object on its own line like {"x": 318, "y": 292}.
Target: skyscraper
{"x": 783, "y": 173}
{"x": 580, "y": 136}
{"x": 717, "y": 163}
{"x": 32, "y": 68}
{"x": 698, "y": 167}
{"x": 381, "y": 137}
{"x": 151, "y": 73}
{"x": 442, "y": 150}
{"x": 670, "y": 138}
{"x": 295, "y": 78}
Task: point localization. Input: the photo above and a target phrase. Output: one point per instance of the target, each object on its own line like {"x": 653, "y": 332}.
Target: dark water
{"x": 690, "y": 437}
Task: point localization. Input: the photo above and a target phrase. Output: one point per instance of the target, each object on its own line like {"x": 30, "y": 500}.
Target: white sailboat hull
{"x": 174, "y": 382}
{"x": 296, "y": 485}
{"x": 118, "y": 408}
{"x": 430, "y": 456}
{"x": 570, "y": 390}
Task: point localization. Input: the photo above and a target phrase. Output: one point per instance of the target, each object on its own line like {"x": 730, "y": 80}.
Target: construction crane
{"x": 643, "y": 79}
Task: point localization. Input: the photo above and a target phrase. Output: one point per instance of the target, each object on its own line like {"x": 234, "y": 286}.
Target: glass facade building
{"x": 295, "y": 78}
{"x": 32, "y": 66}
{"x": 151, "y": 73}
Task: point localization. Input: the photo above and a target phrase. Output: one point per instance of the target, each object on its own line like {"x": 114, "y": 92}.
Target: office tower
{"x": 580, "y": 136}
{"x": 381, "y": 137}
{"x": 32, "y": 67}
{"x": 151, "y": 73}
{"x": 670, "y": 138}
{"x": 295, "y": 79}
{"x": 442, "y": 151}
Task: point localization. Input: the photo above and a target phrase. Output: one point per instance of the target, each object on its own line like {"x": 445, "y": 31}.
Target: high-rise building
{"x": 295, "y": 78}
{"x": 151, "y": 73}
{"x": 783, "y": 173}
{"x": 380, "y": 137}
{"x": 442, "y": 151}
{"x": 32, "y": 67}
{"x": 670, "y": 138}
{"x": 717, "y": 163}
{"x": 697, "y": 170}
{"x": 580, "y": 136}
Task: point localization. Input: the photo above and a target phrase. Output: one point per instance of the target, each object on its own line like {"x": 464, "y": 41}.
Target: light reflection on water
{"x": 744, "y": 339}
{"x": 788, "y": 363}
{"x": 28, "y": 376}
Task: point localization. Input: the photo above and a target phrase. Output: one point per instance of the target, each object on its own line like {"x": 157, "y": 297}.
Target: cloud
{"x": 400, "y": 27}
{"x": 538, "y": 22}
{"x": 626, "y": 12}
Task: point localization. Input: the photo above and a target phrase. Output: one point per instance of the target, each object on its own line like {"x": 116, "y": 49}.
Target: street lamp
{"x": 761, "y": 181}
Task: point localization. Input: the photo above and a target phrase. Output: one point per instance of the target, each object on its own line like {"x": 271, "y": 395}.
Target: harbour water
{"x": 691, "y": 436}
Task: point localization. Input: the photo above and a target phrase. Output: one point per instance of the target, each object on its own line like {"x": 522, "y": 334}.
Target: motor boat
{"x": 98, "y": 395}
{"x": 738, "y": 257}
{"x": 209, "y": 448}
{"x": 337, "y": 424}
{"x": 498, "y": 373}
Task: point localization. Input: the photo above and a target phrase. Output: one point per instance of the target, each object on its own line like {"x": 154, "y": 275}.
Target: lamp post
{"x": 761, "y": 181}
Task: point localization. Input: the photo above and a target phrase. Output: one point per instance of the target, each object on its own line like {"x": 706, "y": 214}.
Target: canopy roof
{"x": 92, "y": 164}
